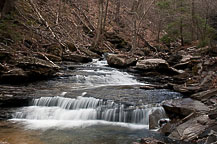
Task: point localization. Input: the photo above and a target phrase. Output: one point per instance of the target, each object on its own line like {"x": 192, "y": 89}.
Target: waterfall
{"x": 86, "y": 108}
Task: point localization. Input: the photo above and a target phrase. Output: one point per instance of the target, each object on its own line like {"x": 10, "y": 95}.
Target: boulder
{"x": 152, "y": 64}
{"x": 120, "y": 61}
{"x": 158, "y": 65}
{"x": 184, "y": 107}
{"x": 154, "y": 117}
{"x": 76, "y": 58}
{"x": 191, "y": 129}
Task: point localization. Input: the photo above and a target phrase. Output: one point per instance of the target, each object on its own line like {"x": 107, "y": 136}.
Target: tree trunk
{"x": 100, "y": 23}
{"x": 192, "y": 20}
{"x": 105, "y": 16}
{"x": 117, "y": 13}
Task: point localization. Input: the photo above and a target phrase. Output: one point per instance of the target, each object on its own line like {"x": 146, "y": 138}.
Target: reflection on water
{"x": 14, "y": 133}
{"x": 11, "y": 133}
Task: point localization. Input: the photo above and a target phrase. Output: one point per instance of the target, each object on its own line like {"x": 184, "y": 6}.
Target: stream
{"x": 87, "y": 104}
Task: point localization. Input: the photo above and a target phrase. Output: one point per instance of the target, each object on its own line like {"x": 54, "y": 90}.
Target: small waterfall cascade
{"x": 86, "y": 108}
{"x": 98, "y": 74}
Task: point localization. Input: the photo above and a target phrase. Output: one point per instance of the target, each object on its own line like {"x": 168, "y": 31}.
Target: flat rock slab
{"x": 158, "y": 65}
{"x": 190, "y": 130}
{"x": 184, "y": 107}
{"x": 204, "y": 95}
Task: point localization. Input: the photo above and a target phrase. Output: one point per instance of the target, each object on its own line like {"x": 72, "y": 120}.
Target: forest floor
{"x": 33, "y": 45}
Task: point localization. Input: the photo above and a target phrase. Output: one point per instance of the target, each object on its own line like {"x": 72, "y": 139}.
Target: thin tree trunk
{"x": 105, "y": 16}
{"x": 192, "y": 20}
{"x": 99, "y": 25}
{"x": 134, "y": 37}
{"x": 117, "y": 14}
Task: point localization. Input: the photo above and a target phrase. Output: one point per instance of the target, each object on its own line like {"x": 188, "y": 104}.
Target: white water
{"x": 60, "y": 112}
{"x": 103, "y": 76}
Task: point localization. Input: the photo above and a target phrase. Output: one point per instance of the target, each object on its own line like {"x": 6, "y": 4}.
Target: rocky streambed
{"x": 187, "y": 115}
{"x": 122, "y": 110}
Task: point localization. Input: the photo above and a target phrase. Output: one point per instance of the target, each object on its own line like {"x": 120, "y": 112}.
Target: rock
{"x": 213, "y": 114}
{"x": 71, "y": 46}
{"x": 150, "y": 141}
{"x": 120, "y": 61}
{"x": 158, "y": 65}
{"x": 154, "y": 117}
{"x": 76, "y": 58}
{"x": 31, "y": 69}
{"x": 141, "y": 51}
{"x": 212, "y": 138}
{"x": 174, "y": 59}
{"x": 14, "y": 75}
{"x": 5, "y": 55}
{"x": 51, "y": 57}
{"x": 184, "y": 107}
{"x": 187, "y": 90}
{"x": 167, "y": 128}
{"x": 183, "y": 65}
{"x": 54, "y": 49}
{"x": 118, "y": 42}
{"x": 89, "y": 53}
{"x": 204, "y": 95}
{"x": 191, "y": 129}
{"x": 152, "y": 64}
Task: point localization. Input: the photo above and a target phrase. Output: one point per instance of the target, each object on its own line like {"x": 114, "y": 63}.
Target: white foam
{"x": 69, "y": 124}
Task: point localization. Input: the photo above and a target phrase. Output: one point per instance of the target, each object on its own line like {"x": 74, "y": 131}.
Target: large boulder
{"x": 120, "y": 61}
{"x": 158, "y": 65}
{"x": 184, "y": 107}
{"x": 191, "y": 129}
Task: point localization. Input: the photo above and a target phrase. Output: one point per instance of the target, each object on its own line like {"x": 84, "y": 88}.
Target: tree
{"x": 102, "y": 16}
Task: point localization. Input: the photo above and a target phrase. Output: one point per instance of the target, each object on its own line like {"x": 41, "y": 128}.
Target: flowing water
{"x": 92, "y": 104}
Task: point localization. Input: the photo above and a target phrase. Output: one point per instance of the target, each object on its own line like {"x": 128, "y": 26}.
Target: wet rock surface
{"x": 120, "y": 61}
{"x": 184, "y": 107}
{"x": 76, "y": 58}
{"x": 149, "y": 141}
{"x": 190, "y": 130}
